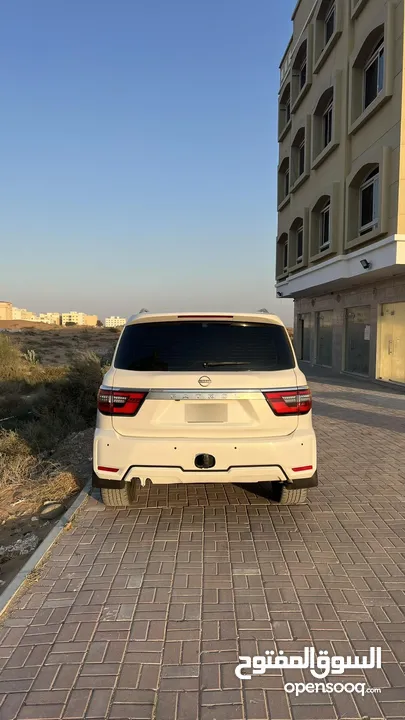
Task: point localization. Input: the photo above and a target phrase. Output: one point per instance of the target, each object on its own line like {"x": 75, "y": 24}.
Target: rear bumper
{"x": 172, "y": 461}
{"x": 110, "y": 484}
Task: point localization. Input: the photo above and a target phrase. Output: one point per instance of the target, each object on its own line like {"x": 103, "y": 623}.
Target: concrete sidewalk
{"x": 143, "y": 613}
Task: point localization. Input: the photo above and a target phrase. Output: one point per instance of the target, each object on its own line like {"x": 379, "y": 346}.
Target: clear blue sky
{"x": 138, "y": 154}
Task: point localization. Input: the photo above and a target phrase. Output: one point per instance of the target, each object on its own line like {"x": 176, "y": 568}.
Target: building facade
{"x": 341, "y": 185}
{"x": 115, "y": 321}
{"x": 6, "y": 310}
{"x": 79, "y": 318}
{"x": 24, "y": 314}
{"x": 50, "y": 318}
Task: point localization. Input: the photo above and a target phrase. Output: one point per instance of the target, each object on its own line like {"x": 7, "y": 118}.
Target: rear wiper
{"x": 218, "y": 364}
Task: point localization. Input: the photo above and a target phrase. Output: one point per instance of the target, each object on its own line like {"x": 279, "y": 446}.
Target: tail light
{"x": 119, "y": 402}
{"x": 290, "y": 402}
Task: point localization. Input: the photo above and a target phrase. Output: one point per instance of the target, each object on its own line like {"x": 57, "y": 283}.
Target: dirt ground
{"x": 19, "y": 512}
{"x": 56, "y": 345}
{"x": 67, "y": 467}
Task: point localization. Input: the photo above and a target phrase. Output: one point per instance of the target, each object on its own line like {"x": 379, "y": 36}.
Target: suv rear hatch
{"x": 205, "y": 379}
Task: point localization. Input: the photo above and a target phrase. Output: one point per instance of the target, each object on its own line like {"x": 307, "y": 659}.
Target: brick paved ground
{"x": 142, "y": 614}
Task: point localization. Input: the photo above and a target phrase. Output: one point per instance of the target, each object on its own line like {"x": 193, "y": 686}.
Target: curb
{"x": 11, "y": 590}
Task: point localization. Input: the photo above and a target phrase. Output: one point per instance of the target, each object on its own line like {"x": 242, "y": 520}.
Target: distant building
{"x": 24, "y": 314}
{"x": 79, "y": 318}
{"x": 6, "y": 310}
{"x": 114, "y": 321}
{"x": 50, "y": 318}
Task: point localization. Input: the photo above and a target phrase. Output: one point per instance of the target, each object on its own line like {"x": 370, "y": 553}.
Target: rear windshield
{"x": 197, "y": 346}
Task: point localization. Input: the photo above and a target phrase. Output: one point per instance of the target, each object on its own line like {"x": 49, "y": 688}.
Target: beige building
{"x": 6, "y": 310}
{"x": 115, "y": 321}
{"x": 24, "y": 314}
{"x": 341, "y": 185}
{"x": 79, "y": 318}
{"x": 50, "y": 318}
{"x": 91, "y": 320}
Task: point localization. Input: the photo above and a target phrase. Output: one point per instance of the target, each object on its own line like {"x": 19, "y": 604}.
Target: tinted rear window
{"x": 197, "y": 346}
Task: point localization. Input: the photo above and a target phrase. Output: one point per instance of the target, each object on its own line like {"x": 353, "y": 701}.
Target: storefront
{"x": 305, "y": 336}
{"x": 324, "y": 338}
{"x": 357, "y": 340}
{"x": 392, "y": 342}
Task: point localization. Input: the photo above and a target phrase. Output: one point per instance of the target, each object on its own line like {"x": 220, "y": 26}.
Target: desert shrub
{"x": 11, "y": 444}
{"x": 31, "y": 357}
{"x": 11, "y": 361}
{"x": 67, "y": 405}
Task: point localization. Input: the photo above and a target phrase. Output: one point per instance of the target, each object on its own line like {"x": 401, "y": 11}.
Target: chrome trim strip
{"x": 203, "y": 393}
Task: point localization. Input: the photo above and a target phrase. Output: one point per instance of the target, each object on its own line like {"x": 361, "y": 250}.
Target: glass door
{"x": 392, "y": 342}
{"x": 358, "y": 332}
{"x": 324, "y": 327}
{"x": 306, "y": 337}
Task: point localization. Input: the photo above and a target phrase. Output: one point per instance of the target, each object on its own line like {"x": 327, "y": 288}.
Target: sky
{"x": 138, "y": 145}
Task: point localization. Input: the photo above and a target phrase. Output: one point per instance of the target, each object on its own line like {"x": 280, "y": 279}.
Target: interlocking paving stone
{"x": 142, "y": 613}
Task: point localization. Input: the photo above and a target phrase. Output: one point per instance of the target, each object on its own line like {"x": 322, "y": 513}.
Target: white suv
{"x": 204, "y": 398}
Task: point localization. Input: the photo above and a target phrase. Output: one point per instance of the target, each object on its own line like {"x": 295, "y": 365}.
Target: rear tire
{"x": 119, "y": 497}
{"x": 293, "y": 497}
{"x": 283, "y": 495}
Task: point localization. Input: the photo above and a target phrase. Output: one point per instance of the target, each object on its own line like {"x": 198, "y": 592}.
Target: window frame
{"x": 286, "y": 183}
{"x": 323, "y": 246}
{"x": 301, "y": 149}
{"x": 330, "y": 13}
{"x": 373, "y": 179}
{"x": 302, "y": 66}
{"x": 287, "y": 110}
{"x": 299, "y": 232}
{"x": 327, "y": 117}
{"x": 374, "y": 57}
{"x": 285, "y": 256}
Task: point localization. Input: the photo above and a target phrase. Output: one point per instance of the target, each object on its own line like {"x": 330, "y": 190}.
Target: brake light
{"x": 205, "y": 317}
{"x": 119, "y": 402}
{"x": 289, "y": 402}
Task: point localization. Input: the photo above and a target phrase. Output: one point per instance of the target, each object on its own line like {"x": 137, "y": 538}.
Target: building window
{"x": 298, "y": 164}
{"x": 327, "y": 29}
{"x": 303, "y": 73}
{"x": 324, "y": 228}
{"x": 284, "y": 115}
{"x": 297, "y": 249}
{"x": 284, "y": 180}
{"x": 301, "y": 158}
{"x": 282, "y": 256}
{"x": 369, "y": 202}
{"x": 300, "y": 243}
{"x": 285, "y": 256}
{"x": 330, "y": 19}
{"x": 300, "y": 73}
{"x": 327, "y": 120}
{"x": 326, "y": 123}
{"x": 374, "y": 75}
{"x": 287, "y": 110}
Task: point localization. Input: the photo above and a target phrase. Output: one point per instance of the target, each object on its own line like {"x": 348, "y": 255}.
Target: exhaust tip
{"x": 204, "y": 461}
